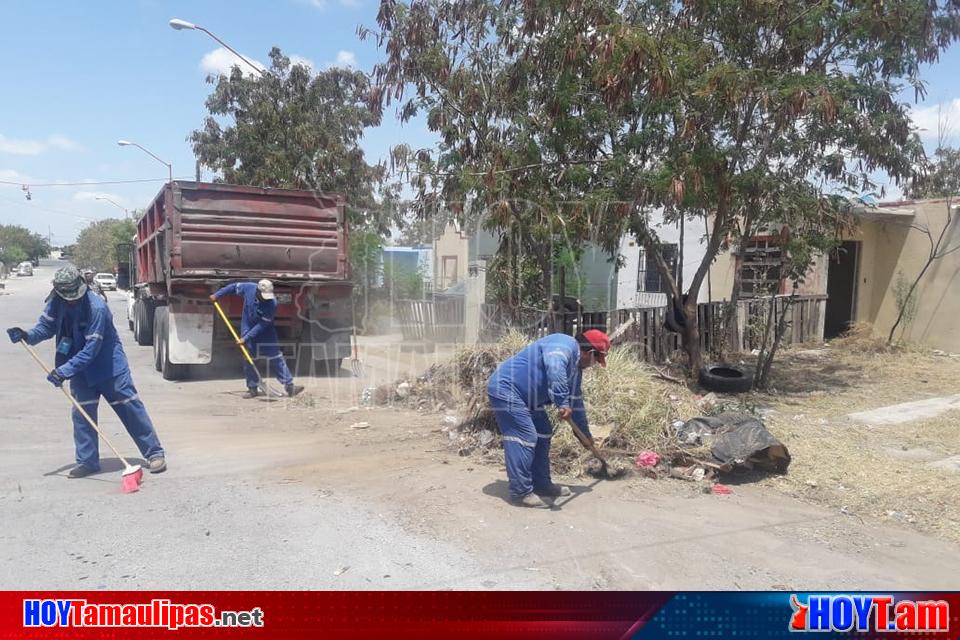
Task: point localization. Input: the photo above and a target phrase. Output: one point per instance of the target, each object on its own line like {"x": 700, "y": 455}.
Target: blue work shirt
{"x": 256, "y": 322}
{"x": 544, "y": 372}
{"x": 95, "y": 350}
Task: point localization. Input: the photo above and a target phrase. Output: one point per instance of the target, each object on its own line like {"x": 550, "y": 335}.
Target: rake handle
{"x": 585, "y": 441}
{"x": 76, "y": 405}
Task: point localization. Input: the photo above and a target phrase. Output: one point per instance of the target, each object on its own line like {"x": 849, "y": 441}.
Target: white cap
{"x": 265, "y": 287}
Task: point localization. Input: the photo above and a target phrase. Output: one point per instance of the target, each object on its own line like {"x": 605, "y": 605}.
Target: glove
{"x": 56, "y": 378}
{"x": 16, "y": 334}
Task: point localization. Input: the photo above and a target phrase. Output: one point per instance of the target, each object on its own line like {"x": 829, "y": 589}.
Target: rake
{"x": 132, "y": 473}
{"x": 355, "y": 365}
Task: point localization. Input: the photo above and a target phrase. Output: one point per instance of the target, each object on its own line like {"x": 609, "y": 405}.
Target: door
{"x": 841, "y": 289}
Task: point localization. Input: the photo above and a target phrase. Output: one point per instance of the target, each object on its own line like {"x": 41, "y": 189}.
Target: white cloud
{"x": 27, "y": 147}
{"x": 318, "y": 4}
{"x": 345, "y": 59}
{"x": 307, "y": 62}
{"x": 351, "y": 3}
{"x": 219, "y": 62}
{"x": 323, "y": 4}
{"x": 927, "y": 119}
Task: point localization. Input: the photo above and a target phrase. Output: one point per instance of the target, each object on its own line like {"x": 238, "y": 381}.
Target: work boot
{"x": 553, "y": 491}
{"x": 81, "y": 471}
{"x": 530, "y": 500}
{"x": 157, "y": 464}
{"x": 252, "y": 392}
{"x": 293, "y": 389}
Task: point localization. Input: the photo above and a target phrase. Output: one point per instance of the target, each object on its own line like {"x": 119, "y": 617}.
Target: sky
{"x": 82, "y": 75}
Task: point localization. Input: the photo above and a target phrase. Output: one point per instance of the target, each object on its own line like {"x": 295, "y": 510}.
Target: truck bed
{"x": 202, "y": 231}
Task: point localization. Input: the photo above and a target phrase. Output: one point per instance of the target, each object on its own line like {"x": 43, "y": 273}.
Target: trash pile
{"x": 633, "y": 416}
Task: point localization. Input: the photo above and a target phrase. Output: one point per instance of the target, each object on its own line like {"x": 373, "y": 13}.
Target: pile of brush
{"x": 628, "y": 408}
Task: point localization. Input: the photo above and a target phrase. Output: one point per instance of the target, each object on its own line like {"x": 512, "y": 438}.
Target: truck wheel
{"x": 330, "y": 368}
{"x": 168, "y": 370}
{"x": 145, "y": 324}
{"x": 159, "y": 330}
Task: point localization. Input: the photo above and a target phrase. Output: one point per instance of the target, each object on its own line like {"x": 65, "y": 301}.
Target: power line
{"x": 31, "y": 185}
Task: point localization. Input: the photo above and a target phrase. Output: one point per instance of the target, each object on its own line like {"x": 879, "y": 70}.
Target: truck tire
{"x": 168, "y": 370}
{"x": 144, "y": 316}
{"x": 725, "y": 378}
{"x": 159, "y": 330}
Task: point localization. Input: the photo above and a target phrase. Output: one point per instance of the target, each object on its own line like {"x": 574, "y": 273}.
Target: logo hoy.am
{"x": 843, "y": 612}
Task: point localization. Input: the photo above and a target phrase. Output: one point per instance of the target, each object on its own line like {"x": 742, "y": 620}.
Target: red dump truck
{"x": 196, "y": 236}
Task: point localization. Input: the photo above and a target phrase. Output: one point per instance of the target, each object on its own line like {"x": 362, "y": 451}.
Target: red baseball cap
{"x": 600, "y": 343}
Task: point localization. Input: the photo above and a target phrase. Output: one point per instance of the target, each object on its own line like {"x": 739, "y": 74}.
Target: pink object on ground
{"x": 721, "y": 489}
{"x": 647, "y": 459}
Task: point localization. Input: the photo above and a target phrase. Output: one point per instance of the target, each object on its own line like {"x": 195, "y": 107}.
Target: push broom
{"x": 132, "y": 473}
{"x": 267, "y": 391}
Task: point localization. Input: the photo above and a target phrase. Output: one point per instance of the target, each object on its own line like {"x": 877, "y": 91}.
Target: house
{"x": 867, "y": 278}
{"x": 639, "y": 283}
{"x": 597, "y": 280}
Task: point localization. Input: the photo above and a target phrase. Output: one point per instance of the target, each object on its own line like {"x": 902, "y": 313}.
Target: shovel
{"x": 263, "y": 386}
{"x": 132, "y": 473}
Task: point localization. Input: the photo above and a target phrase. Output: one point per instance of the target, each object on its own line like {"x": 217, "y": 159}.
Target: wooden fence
{"x": 441, "y": 320}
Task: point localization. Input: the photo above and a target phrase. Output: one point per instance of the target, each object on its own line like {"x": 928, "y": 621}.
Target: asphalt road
{"x": 222, "y": 517}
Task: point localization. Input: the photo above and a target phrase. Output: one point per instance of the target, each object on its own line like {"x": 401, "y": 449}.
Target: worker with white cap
{"x": 258, "y": 333}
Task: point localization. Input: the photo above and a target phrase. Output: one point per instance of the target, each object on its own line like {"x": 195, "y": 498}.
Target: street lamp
{"x": 127, "y": 143}
{"x": 126, "y": 212}
{"x": 179, "y": 25}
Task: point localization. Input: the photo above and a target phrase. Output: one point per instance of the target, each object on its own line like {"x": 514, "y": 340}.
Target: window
{"x": 648, "y": 277}
{"x": 761, "y": 267}
{"x": 448, "y": 271}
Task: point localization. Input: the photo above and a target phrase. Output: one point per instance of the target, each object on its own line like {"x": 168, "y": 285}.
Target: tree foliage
{"x": 18, "y": 244}
{"x": 577, "y": 119}
{"x": 96, "y": 246}
{"x": 293, "y": 128}
{"x": 940, "y": 178}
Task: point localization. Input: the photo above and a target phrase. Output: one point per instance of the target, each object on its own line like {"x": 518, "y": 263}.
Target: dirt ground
{"x": 880, "y": 472}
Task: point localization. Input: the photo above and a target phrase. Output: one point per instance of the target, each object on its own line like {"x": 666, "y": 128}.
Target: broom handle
{"x": 236, "y": 338}
{"x": 76, "y": 405}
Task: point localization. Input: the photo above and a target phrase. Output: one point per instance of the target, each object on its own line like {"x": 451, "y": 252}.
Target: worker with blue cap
{"x": 89, "y": 354}
{"x": 548, "y": 371}
{"x": 258, "y": 333}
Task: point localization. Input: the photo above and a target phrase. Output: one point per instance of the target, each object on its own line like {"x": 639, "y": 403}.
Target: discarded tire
{"x": 725, "y": 378}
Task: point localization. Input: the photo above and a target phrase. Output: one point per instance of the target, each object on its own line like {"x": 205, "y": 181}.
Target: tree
{"x": 96, "y": 245}
{"x": 18, "y": 244}
{"x": 601, "y": 111}
{"x": 294, "y": 129}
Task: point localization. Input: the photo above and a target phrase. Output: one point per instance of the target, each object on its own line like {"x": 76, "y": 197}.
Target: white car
{"x": 25, "y": 269}
{"x": 106, "y": 281}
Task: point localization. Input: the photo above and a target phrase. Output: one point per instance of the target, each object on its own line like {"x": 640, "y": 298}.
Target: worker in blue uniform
{"x": 548, "y": 371}
{"x": 258, "y": 333}
{"x": 89, "y": 354}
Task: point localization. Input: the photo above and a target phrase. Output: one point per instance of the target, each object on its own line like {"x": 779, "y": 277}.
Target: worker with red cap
{"x": 548, "y": 371}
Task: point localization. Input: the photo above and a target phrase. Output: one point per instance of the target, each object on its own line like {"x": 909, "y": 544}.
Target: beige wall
{"x": 891, "y": 247}
{"x": 451, "y": 243}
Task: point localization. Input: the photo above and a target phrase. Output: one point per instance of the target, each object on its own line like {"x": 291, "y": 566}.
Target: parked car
{"x": 106, "y": 281}
{"x": 25, "y": 269}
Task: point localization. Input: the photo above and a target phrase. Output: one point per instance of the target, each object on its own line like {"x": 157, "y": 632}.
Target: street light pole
{"x": 180, "y": 25}
{"x": 127, "y": 143}
{"x": 122, "y": 208}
